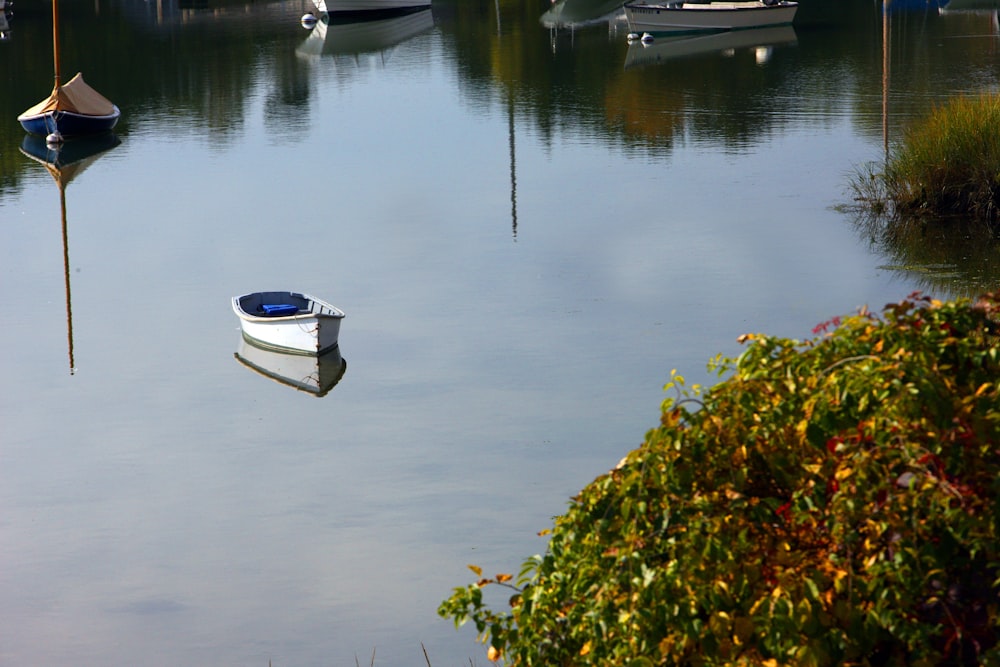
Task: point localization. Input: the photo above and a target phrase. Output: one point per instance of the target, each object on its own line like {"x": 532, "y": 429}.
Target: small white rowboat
{"x": 289, "y": 321}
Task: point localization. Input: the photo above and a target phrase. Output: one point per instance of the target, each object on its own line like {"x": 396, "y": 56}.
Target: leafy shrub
{"x": 834, "y": 501}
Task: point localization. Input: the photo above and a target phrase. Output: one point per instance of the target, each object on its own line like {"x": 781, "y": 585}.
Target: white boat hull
{"x": 675, "y": 18}
{"x": 313, "y": 329}
{"x": 365, "y": 6}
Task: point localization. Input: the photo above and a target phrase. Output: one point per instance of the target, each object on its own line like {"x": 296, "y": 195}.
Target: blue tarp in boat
{"x": 278, "y": 309}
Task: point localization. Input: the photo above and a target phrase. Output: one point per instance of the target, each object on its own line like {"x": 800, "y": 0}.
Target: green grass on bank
{"x": 947, "y": 166}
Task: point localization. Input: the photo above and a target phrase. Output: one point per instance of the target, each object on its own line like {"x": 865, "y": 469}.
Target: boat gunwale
{"x": 62, "y": 112}
{"x": 336, "y": 313}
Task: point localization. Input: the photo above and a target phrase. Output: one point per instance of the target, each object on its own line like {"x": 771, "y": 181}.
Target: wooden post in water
{"x": 886, "y": 62}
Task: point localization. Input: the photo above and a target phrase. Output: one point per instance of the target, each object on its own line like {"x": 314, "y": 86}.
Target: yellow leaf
{"x": 586, "y": 648}
{"x": 493, "y": 654}
{"x": 504, "y": 577}
{"x": 475, "y": 568}
{"x": 543, "y": 533}
{"x": 740, "y": 455}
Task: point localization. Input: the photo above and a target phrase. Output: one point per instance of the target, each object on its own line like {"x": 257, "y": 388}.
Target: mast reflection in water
{"x": 65, "y": 162}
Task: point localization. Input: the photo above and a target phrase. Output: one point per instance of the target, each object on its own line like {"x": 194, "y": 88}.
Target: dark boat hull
{"x": 68, "y": 124}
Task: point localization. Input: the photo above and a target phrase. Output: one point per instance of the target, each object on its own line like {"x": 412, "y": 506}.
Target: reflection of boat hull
{"x": 363, "y": 7}
{"x": 70, "y": 154}
{"x": 671, "y": 48}
{"x": 375, "y": 32}
{"x": 681, "y": 17}
{"x": 315, "y": 375}
{"x": 573, "y": 13}
{"x": 311, "y": 327}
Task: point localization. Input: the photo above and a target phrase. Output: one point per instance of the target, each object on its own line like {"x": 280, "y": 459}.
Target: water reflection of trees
{"x": 191, "y": 66}
{"x": 731, "y": 100}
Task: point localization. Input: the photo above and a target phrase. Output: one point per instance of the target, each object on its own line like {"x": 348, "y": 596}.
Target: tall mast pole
{"x": 55, "y": 40}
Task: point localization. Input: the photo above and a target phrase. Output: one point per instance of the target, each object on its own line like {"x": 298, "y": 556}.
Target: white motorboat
{"x": 289, "y": 321}
{"x": 680, "y": 17}
{"x": 364, "y": 7}
{"x": 314, "y": 375}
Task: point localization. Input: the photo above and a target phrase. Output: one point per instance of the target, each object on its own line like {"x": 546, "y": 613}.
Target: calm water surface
{"x": 528, "y": 222}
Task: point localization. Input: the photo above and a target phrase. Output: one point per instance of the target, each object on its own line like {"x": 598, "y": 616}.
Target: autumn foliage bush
{"x": 834, "y": 501}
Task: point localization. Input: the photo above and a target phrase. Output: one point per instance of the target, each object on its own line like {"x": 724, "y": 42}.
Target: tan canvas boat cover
{"x": 76, "y": 96}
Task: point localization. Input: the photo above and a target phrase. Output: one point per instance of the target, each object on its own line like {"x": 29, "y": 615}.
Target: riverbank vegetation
{"x": 834, "y": 501}
{"x": 947, "y": 166}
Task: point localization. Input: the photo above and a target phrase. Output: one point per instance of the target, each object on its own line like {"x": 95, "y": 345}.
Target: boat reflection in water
{"x": 4, "y": 25}
{"x": 332, "y": 36}
{"x": 663, "y": 49}
{"x": 581, "y": 13}
{"x": 64, "y": 162}
{"x": 311, "y": 374}
{"x": 67, "y": 160}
